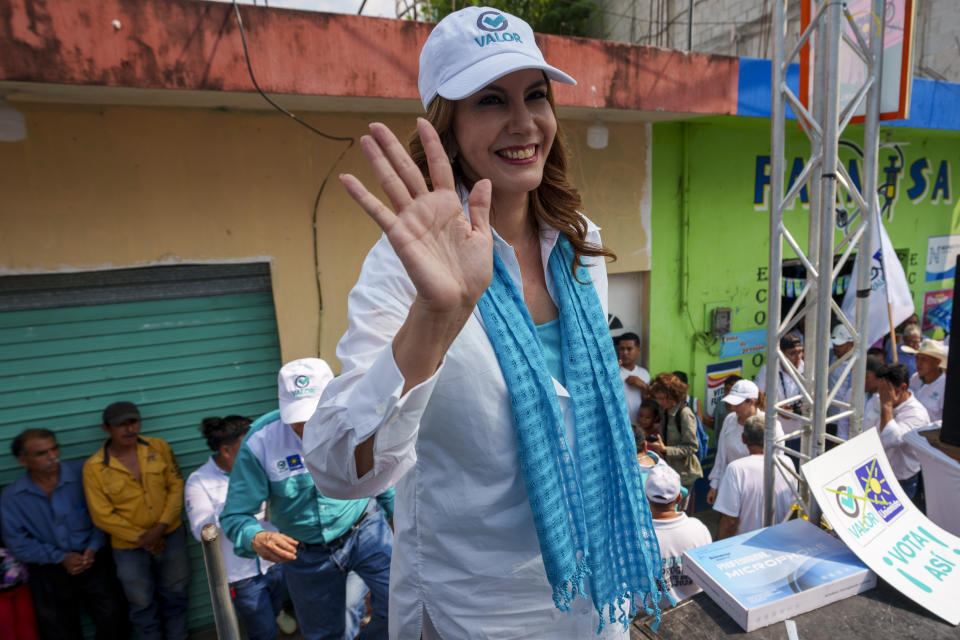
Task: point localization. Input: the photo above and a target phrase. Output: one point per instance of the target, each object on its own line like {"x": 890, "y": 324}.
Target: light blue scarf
{"x": 592, "y": 527}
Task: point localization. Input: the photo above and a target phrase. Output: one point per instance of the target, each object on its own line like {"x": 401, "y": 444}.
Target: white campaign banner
{"x": 863, "y": 502}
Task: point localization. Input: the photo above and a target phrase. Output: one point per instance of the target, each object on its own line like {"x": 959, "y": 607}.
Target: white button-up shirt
{"x": 204, "y": 495}
{"x": 465, "y": 549}
{"x": 930, "y": 395}
{"x": 908, "y": 416}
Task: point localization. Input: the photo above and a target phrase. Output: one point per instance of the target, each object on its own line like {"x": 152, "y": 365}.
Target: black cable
{"x": 349, "y": 140}
{"x": 253, "y": 78}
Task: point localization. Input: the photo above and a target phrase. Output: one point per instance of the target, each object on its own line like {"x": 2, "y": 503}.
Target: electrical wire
{"x": 349, "y": 140}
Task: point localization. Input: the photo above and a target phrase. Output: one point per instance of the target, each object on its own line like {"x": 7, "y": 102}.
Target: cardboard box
{"x": 772, "y": 574}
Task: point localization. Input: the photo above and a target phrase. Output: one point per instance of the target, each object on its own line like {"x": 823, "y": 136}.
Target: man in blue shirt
{"x": 320, "y": 540}
{"x": 46, "y": 525}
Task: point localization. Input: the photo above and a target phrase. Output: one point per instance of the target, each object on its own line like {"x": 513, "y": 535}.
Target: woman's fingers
{"x": 479, "y": 202}
{"x": 391, "y": 183}
{"x": 441, "y": 174}
{"x": 401, "y": 161}
{"x": 369, "y": 202}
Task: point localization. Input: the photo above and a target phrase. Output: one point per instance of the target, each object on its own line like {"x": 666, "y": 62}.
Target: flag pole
{"x": 886, "y": 287}
{"x": 893, "y": 330}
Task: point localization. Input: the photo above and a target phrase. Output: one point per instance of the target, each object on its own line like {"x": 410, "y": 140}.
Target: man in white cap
{"x": 675, "y": 531}
{"x": 740, "y": 497}
{"x": 320, "y": 540}
{"x": 842, "y": 343}
{"x": 929, "y": 382}
{"x": 791, "y": 345}
{"x": 744, "y": 402}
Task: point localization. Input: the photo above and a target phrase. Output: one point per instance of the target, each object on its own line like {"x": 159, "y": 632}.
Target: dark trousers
{"x": 58, "y": 597}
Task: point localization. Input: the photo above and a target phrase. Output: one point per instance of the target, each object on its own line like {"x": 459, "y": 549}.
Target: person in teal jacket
{"x": 321, "y": 540}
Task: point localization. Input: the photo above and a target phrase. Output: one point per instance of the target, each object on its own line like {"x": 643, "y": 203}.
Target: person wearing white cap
{"x": 320, "y": 541}
{"x": 745, "y": 398}
{"x": 676, "y": 532}
{"x": 791, "y": 345}
{"x": 478, "y": 372}
{"x": 740, "y": 496}
{"x": 842, "y": 343}
{"x": 929, "y": 383}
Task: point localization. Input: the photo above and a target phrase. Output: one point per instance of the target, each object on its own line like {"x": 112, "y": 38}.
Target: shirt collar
{"x": 26, "y": 483}
{"x": 106, "y": 454}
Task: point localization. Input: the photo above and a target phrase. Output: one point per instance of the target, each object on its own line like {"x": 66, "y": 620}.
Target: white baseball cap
{"x": 841, "y": 335}
{"x": 663, "y": 484}
{"x": 300, "y": 384}
{"x": 740, "y": 391}
{"x": 474, "y": 46}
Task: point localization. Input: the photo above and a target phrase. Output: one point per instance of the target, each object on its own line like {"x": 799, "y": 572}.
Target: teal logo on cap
{"x": 495, "y": 24}
{"x": 302, "y": 381}
{"x": 492, "y": 21}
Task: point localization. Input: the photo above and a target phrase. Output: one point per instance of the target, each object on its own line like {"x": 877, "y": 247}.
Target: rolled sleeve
{"x": 355, "y": 407}
{"x": 892, "y": 433}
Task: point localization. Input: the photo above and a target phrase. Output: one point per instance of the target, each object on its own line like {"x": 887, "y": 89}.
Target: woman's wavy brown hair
{"x": 555, "y": 203}
{"x": 670, "y": 386}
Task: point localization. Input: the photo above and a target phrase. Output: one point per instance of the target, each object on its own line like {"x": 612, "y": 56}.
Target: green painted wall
{"x": 719, "y": 257}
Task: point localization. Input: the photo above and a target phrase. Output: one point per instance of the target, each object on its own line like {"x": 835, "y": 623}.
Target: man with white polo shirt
{"x": 740, "y": 497}
{"x": 929, "y": 383}
{"x": 900, "y": 413}
{"x": 320, "y": 540}
{"x": 675, "y": 531}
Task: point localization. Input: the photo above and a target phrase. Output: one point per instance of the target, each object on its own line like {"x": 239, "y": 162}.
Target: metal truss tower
{"x": 826, "y": 252}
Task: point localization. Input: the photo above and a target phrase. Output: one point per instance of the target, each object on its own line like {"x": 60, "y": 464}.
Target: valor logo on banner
{"x": 863, "y": 502}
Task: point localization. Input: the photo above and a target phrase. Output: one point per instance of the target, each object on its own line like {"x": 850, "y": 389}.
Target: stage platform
{"x": 878, "y": 614}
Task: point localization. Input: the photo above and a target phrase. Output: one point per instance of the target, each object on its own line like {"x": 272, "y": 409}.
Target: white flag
{"x": 885, "y": 272}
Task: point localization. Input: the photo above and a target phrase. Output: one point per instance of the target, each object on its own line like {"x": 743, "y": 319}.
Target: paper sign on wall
{"x": 937, "y": 309}
{"x": 863, "y": 502}
{"x": 716, "y": 374}
{"x": 942, "y": 254}
{"x": 743, "y": 343}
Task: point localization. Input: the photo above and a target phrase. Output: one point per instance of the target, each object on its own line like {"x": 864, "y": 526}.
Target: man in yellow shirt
{"x": 135, "y": 493}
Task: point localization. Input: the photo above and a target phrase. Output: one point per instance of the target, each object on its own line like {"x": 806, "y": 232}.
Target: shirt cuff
{"x": 377, "y": 406}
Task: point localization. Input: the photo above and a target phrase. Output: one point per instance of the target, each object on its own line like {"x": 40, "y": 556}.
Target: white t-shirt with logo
{"x": 930, "y": 395}
{"x": 741, "y": 494}
{"x": 675, "y": 536}
{"x": 634, "y": 397}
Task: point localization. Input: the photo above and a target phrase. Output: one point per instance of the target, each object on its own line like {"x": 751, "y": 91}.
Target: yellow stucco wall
{"x": 99, "y": 187}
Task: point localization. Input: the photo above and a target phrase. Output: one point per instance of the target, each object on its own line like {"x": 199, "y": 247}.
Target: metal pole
{"x": 811, "y": 347}
{"x": 689, "y": 25}
{"x": 224, "y": 615}
{"x": 775, "y": 272}
{"x": 827, "y": 214}
{"x": 871, "y": 150}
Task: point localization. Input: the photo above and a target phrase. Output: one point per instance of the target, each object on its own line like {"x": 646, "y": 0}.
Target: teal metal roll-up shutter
{"x": 182, "y": 342}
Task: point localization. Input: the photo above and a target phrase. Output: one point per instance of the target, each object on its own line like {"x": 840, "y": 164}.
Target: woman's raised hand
{"x": 448, "y": 257}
